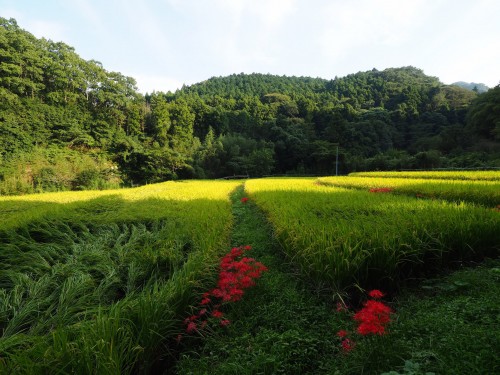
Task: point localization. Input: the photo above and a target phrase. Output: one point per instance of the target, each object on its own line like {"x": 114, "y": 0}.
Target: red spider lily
{"x": 244, "y": 200}
{"x": 373, "y": 318}
{"x": 342, "y": 333}
{"x": 381, "y": 190}
{"x": 217, "y": 314}
{"x": 375, "y": 293}
{"x": 237, "y": 274}
{"x": 191, "y": 327}
{"x": 341, "y": 307}
{"x": 348, "y": 345}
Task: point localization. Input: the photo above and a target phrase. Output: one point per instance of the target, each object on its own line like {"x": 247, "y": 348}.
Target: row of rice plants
{"x": 345, "y": 236}
{"x": 441, "y": 175}
{"x": 486, "y": 193}
{"x": 97, "y": 282}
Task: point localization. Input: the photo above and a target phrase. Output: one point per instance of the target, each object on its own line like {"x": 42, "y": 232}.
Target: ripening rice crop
{"x": 343, "y": 235}
{"x": 95, "y": 282}
{"x": 440, "y": 175}
{"x": 482, "y": 192}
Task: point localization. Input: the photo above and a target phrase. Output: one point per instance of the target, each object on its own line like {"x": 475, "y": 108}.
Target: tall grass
{"x": 344, "y": 236}
{"x": 96, "y": 282}
{"x": 482, "y": 192}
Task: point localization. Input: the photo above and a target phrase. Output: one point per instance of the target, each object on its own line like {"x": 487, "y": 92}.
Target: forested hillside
{"x": 67, "y": 123}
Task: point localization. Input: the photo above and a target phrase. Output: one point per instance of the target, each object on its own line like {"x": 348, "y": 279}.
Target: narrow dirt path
{"x": 279, "y": 327}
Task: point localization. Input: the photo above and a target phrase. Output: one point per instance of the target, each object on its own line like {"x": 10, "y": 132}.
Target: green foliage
{"x": 446, "y": 325}
{"x": 56, "y": 169}
{"x": 484, "y": 114}
{"x": 52, "y": 97}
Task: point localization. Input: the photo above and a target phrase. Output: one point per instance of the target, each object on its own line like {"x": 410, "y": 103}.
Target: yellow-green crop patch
{"x": 483, "y": 192}
{"x": 343, "y": 235}
{"x": 98, "y": 280}
{"x": 440, "y": 175}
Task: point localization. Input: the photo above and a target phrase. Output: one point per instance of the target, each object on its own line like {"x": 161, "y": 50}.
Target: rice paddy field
{"x": 100, "y": 282}
{"x": 375, "y": 238}
{"x": 95, "y": 282}
{"x": 474, "y": 187}
{"x": 439, "y": 175}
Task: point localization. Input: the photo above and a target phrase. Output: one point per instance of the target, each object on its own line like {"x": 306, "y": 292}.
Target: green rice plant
{"x": 483, "y": 192}
{"x": 97, "y": 282}
{"x": 345, "y": 236}
{"x": 435, "y": 175}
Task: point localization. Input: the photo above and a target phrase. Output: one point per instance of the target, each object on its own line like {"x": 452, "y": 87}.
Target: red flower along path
{"x": 373, "y": 319}
{"x": 237, "y": 273}
{"x": 381, "y": 190}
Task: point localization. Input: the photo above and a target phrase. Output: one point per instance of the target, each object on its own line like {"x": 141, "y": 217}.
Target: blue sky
{"x": 166, "y": 43}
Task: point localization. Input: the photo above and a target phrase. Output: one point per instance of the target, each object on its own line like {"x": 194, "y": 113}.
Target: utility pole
{"x": 336, "y": 159}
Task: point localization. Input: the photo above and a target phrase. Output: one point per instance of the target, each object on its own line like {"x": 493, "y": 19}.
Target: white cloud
{"x": 38, "y": 27}
{"x": 350, "y": 26}
{"x": 149, "y": 28}
{"x": 48, "y": 30}
{"x": 88, "y": 11}
{"x": 272, "y": 13}
{"x": 147, "y": 83}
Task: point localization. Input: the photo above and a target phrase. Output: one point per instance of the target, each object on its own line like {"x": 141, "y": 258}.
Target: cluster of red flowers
{"x": 373, "y": 318}
{"x": 237, "y": 274}
{"x": 381, "y": 190}
{"x": 244, "y": 200}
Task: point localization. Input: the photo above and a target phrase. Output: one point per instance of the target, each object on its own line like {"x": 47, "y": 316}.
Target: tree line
{"x": 67, "y": 123}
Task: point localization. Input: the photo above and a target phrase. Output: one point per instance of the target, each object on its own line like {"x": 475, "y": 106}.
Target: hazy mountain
{"x": 481, "y": 87}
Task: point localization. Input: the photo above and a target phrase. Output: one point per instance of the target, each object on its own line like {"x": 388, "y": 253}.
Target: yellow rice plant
{"x": 482, "y": 192}
{"x": 343, "y": 236}
{"x": 443, "y": 175}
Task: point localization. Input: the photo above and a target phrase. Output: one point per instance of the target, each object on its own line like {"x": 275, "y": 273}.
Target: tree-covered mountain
{"x": 477, "y": 87}
{"x": 68, "y": 123}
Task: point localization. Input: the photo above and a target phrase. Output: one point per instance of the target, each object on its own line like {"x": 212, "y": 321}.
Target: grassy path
{"x": 448, "y": 325}
{"x": 279, "y": 327}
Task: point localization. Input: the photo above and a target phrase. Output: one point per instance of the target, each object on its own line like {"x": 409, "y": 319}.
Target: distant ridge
{"x": 481, "y": 87}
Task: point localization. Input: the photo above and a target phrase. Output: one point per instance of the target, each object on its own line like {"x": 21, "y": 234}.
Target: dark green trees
{"x": 55, "y": 106}
{"x": 484, "y": 115}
